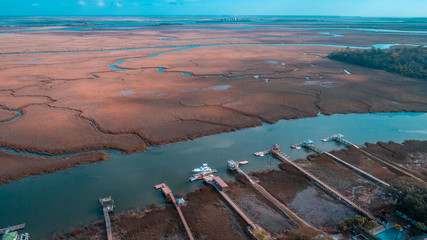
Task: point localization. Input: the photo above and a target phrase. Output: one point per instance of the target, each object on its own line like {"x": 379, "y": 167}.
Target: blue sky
{"x": 365, "y": 8}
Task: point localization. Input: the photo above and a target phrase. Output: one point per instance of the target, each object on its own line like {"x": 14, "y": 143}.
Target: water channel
{"x": 69, "y": 198}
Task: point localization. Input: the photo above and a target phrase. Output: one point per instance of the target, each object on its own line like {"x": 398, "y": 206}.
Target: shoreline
{"x": 268, "y": 178}
{"x": 55, "y": 164}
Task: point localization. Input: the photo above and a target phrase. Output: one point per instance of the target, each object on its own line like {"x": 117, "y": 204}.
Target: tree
{"x": 371, "y": 225}
{"x": 342, "y": 226}
{"x": 359, "y": 220}
{"x": 420, "y": 226}
{"x": 411, "y": 62}
{"x": 410, "y": 196}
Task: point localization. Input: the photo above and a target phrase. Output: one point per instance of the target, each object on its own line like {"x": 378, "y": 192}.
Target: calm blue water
{"x": 271, "y": 62}
{"x": 69, "y": 198}
{"x": 184, "y": 47}
{"x": 391, "y": 234}
{"x": 222, "y": 87}
{"x": 127, "y": 92}
{"x": 160, "y": 70}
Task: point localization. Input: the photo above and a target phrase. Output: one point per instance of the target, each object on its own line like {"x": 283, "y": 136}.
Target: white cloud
{"x": 118, "y": 4}
{"x": 35, "y": 4}
{"x": 81, "y": 3}
{"x": 101, "y": 3}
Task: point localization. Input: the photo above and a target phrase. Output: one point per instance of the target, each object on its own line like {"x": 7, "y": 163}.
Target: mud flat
{"x": 207, "y": 215}
{"x": 151, "y": 223}
{"x": 411, "y": 155}
{"x": 101, "y": 89}
{"x": 303, "y": 197}
{"x": 104, "y": 84}
{"x": 15, "y": 167}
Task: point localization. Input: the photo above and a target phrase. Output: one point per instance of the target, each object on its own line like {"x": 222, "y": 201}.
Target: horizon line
{"x": 212, "y": 15}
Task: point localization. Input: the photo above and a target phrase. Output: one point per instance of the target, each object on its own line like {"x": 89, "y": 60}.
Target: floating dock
{"x": 266, "y": 152}
{"x": 281, "y": 156}
{"x": 107, "y": 206}
{"x": 168, "y": 193}
{"x": 340, "y": 138}
{"x": 310, "y": 145}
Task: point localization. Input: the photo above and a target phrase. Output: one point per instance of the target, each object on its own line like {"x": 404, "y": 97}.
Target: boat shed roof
{"x": 220, "y": 182}
{"x": 10, "y": 236}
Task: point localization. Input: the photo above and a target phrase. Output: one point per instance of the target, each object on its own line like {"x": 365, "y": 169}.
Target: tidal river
{"x": 69, "y": 198}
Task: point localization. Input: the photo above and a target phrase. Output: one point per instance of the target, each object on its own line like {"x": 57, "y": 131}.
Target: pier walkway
{"x": 12, "y": 229}
{"x": 340, "y": 138}
{"x": 209, "y": 180}
{"x": 257, "y": 231}
{"x": 168, "y": 193}
{"x": 285, "y": 210}
{"x": 107, "y": 206}
{"x": 283, "y": 157}
{"x": 310, "y": 145}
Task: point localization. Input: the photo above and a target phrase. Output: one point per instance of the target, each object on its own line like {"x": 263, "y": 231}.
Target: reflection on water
{"x": 127, "y": 92}
{"x": 271, "y": 62}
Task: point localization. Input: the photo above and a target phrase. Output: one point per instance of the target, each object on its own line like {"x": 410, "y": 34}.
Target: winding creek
{"x": 69, "y": 198}
{"x": 181, "y": 48}
{"x": 66, "y": 199}
{"x": 18, "y": 114}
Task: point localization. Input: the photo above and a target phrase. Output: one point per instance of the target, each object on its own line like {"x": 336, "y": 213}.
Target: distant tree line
{"x": 411, "y": 62}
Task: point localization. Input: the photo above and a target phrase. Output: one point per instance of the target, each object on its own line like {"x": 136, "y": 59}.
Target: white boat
{"x": 203, "y": 168}
{"x": 262, "y": 154}
{"x": 199, "y": 176}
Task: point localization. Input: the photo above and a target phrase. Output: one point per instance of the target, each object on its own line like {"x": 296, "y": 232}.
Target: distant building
{"x": 220, "y": 184}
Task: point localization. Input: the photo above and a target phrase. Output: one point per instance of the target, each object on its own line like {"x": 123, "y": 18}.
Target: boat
{"x": 199, "y": 176}
{"x": 203, "y": 168}
{"x": 262, "y": 154}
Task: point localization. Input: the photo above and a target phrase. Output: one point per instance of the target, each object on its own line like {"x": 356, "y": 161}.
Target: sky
{"x": 363, "y": 8}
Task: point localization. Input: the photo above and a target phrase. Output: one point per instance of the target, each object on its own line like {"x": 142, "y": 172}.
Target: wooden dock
{"x": 340, "y": 138}
{"x": 339, "y": 196}
{"x": 254, "y": 228}
{"x": 168, "y": 193}
{"x": 285, "y": 210}
{"x": 107, "y": 206}
{"x": 359, "y": 171}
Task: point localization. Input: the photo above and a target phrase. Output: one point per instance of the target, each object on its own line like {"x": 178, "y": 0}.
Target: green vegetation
{"x": 411, "y": 62}
{"x": 358, "y": 221}
{"x": 411, "y": 198}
